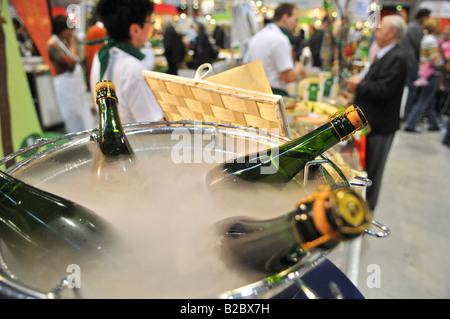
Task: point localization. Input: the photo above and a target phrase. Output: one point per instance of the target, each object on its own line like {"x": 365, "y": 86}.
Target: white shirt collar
{"x": 382, "y": 52}
{"x": 273, "y": 26}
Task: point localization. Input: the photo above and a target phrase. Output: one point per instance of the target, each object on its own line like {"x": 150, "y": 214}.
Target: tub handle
{"x": 385, "y": 232}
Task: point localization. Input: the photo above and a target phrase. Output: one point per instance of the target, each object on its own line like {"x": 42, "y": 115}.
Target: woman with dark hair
{"x": 128, "y": 23}
{"x": 68, "y": 81}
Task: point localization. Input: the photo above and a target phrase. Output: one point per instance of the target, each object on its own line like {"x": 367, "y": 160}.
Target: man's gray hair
{"x": 397, "y": 22}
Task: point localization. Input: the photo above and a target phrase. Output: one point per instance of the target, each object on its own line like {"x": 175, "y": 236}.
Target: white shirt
{"x": 136, "y": 101}
{"x": 274, "y": 50}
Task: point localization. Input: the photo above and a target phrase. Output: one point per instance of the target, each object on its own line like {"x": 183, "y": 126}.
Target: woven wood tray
{"x": 196, "y": 99}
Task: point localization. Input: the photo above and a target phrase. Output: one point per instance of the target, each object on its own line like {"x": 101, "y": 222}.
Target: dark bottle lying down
{"x": 320, "y": 221}
{"x": 280, "y": 164}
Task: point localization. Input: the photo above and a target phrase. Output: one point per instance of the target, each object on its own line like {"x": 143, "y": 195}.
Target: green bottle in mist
{"x": 112, "y": 139}
{"x": 319, "y": 222}
{"x": 280, "y": 164}
{"x": 48, "y": 230}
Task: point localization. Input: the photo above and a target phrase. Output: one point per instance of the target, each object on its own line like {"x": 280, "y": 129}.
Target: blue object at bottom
{"x": 319, "y": 280}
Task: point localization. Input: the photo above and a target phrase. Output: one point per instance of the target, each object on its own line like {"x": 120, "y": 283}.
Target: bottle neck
{"x": 337, "y": 129}
{"x": 312, "y": 227}
{"x": 331, "y": 216}
{"x": 342, "y": 126}
{"x": 112, "y": 137}
{"x": 316, "y": 142}
{"x": 109, "y": 116}
{"x": 266, "y": 245}
{"x": 273, "y": 245}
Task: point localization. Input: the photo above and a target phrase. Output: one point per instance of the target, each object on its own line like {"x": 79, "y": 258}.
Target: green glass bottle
{"x": 112, "y": 138}
{"x": 320, "y": 221}
{"x": 281, "y": 164}
{"x": 40, "y": 227}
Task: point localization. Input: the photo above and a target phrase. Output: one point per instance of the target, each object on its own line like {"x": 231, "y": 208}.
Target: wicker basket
{"x": 198, "y": 100}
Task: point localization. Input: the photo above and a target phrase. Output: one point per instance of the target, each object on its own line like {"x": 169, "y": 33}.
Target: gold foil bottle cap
{"x": 104, "y": 85}
{"x": 105, "y": 88}
{"x": 356, "y": 117}
{"x": 352, "y": 214}
{"x": 338, "y": 214}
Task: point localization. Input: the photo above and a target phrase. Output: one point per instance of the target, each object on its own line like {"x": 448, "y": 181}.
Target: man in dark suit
{"x": 379, "y": 95}
{"x": 174, "y": 49}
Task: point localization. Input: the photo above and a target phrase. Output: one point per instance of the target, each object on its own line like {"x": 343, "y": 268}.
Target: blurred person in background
{"x": 94, "y": 33}
{"x": 174, "y": 49}
{"x": 329, "y": 49}
{"x": 411, "y": 46}
{"x": 219, "y": 36}
{"x": 298, "y": 43}
{"x": 316, "y": 40}
{"x": 26, "y": 45}
{"x": 69, "y": 84}
{"x": 204, "y": 51}
{"x": 429, "y": 55}
{"x": 445, "y": 49}
{"x": 379, "y": 95}
{"x": 273, "y": 47}
{"x": 128, "y": 24}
